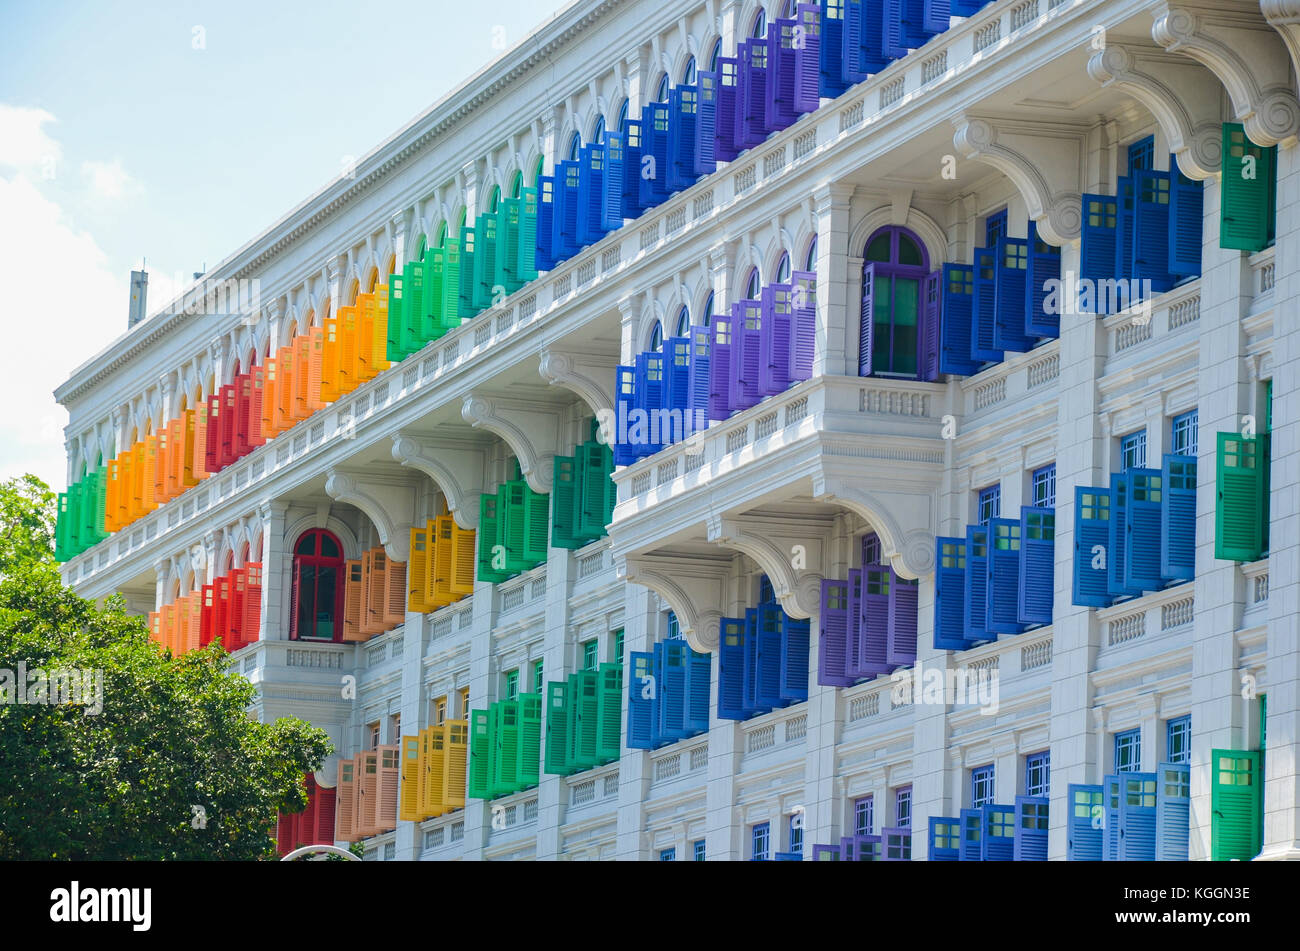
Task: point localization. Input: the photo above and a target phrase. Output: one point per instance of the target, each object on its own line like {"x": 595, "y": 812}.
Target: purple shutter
{"x": 902, "y": 621}
{"x": 781, "y": 78}
{"x": 755, "y": 124}
{"x": 927, "y": 363}
{"x": 725, "y": 140}
{"x": 832, "y": 635}
{"x": 747, "y": 327}
{"x": 865, "y": 319}
{"x": 720, "y": 368}
{"x": 873, "y": 632}
{"x": 775, "y": 341}
{"x": 804, "y": 325}
{"x": 807, "y": 59}
{"x": 852, "y": 660}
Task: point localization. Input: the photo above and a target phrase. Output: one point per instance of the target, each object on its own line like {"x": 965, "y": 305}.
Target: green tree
{"x": 27, "y": 515}
{"x": 171, "y": 767}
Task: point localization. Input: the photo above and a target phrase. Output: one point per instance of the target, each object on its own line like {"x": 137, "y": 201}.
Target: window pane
{"x": 306, "y": 545}
{"x": 878, "y": 249}
{"x": 908, "y": 252}
{"x": 905, "y": 297}
{"x": 328, "y": 547}
{"x": 306, "y": 600}
{"x": 326, "y": 587}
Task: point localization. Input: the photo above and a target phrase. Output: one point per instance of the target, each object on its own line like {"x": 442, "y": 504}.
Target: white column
{"x": 833, "y": 304}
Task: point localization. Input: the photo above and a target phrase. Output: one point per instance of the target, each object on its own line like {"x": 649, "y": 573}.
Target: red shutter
{"x": 293, "y": 602}
{"x": 235, "y": 616}
{"x": 209, "y": 615}
{"x": 252, "y": 602}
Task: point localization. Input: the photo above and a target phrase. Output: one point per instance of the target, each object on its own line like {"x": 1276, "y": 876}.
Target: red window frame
{"x": 318, "y": 561}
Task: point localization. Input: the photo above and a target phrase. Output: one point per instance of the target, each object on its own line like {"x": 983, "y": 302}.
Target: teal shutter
{"x": 1236, "y": 805}
{"x": 1241, "y": 506}
{"x": 591, "y": 516}
{"x": 537, "y": 507}
{"x": 1247, "y": 198}
{"x": 557, "y": 728}
{"x": 505, "y": 748}
{"x": 564, "y": 501}
{"x": 528, "y": 772}
{"x": 609, "y": 713}
{"x": 583, "y": 721}
{"x": 396, "y": 351}
{"x": 479, "y": 775}
{"x": 511, "y": 497}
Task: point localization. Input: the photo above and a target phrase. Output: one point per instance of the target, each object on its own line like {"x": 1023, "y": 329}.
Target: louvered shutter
{"x": 747, "y": 325}
{"x": 252, "y": 621}
{"x": 731, "y": 670}
{"x": 452, "y": 265}
{"x": 345, "y": 818}
{"x": 803, "y": 325}
{"x": 485, "y": 259}
{"x": 725, "y": 142}
{"x": 754, "y": 124}
{"x": 433, "y": 324}
{"x": 832, "y": 635}
{"x": 1003, "y": 577}
{"x": 398, "y": 343}
{"x": 1236, "y": 804}
{"x": 412, "y": 777}
{"x": 672, "y": 690}
{"x": 1112, "y": 793}
{"x": 720, "y": 368}
{"x": 544, "y": 256}
{"x": 1098, "y": 247}
{"x": 505, "y": 747}
{"x": 1241, "y": 505}
{"x": 611, "y": 197}
{"x": 353, "y": 596}
{"x": 528, "y": 769}
{"x": 873, "y": 625}
{"x": 481, "y": 751}
{"x": 1151, "y": 192}
{"x": 806, "y": 42}
{"x": 593, "y": 493}
{"x": 781, "y": 111}
{"x": 1173, "y": 812}
{"x": 389, "y": 777}
{"x": 395, "y": 598}
{"x": 529, "y": 229}
{"x": 831, "y": 81}
{"x": 418, "y": 570}
{"x": 557, "y": 727}
{"x": 331, "y": 387}
{"x": 901, "y": 634}
{"x": 945, "y": 839}
{"x": 853, "y": 644}
{"x": 697, "y": 690}
{"x": 677, "y": 379}
{"x": 1091, "y": 545}
{"x": 609, "y": 713}
{"x": 583, "y": 720}
{"x": 488, "y": 538}
{"x": 972, "y": 835}
{"x": 866, "y": 320}
{"x": 1137, "y": 817}
{"x": 1011, "y": 295}
{"x": 642, "y": 701}
{"x": 1125, "y": 227}
{"x": 1085, "y": 824}
{"x": 1245, "y": 203}
{"x": 999, "y": 840}
{"x": 221, "y": 611}
{"x": 950, "y": 594}
{"x": 935, "y": 16}
{"x": 462, "y": 560}
{"x": 237, "y": 610}
{"x": 564, "y": 224}
{"x": 794, "y": 659}
{"x": 752, "y": 665}
{"x": 1120, "y": 493}
{"x": 1042, "y": 308}
{"x": 654, "y": 187}
{"x": 776, "y": 340}
{"x": 1186, "y": 218}
{"x": 441, "y": 562}
{"x": 374, "y": 568}
{"x": 455, "y": 774}
{"x": 704, "y": 148}
{"x": 229, "y": 415}
{"x": 1144, "y": 543}
{"x": 1036, "y": 573}
{"x": 537, "y": 532}
{"x": 977, "y": 557}
{"x": 367, "y": 794}
{"x": 683, "y": 118}
{"x": 1178, "y": 518}
{"x": 433, "y": 741}
{"x": 1031, "y": 829}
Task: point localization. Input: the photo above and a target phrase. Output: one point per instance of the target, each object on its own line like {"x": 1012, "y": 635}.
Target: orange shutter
{"x": 353, "y": 594}
{"x": 374, "y": 563}
{"x": 379, "y": 336}
{"x": 155, "y": 627}
{"x": 367, "y": 793}
{"x": 345, "y": 813}
{"x": 169, "y": 627}
{"x": 126, "y": 505}
{"x": 329, "y": 362}
{"x": 453, "y": 777}
{"x": 389, "y": 777}
{"x": 256, "y": 385}
{"x": 199, "y": 456}
{"x": 172, "y": 483}
{"x": 348, "y": 378}
{"x": 301, "y": 376}
{"x": 412, "y": 779}
{"x": 161, "y": 461}
{"x": 148, "y": 467}
{"x": 270, "y": 398}
{"x": 395, "y": 602}
{"x": 111, "y": 492}
{"x": 284, "y": 389}
{"x": 366, "y": 368}
{"x": 315, "y": 357}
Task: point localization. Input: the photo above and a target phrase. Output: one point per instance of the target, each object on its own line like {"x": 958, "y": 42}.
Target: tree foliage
{"x": 27, "y": 514}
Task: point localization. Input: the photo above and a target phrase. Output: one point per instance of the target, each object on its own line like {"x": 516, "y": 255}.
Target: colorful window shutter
{"x": 984, "y": 313}
{"x": 611, "y": 207}
{"x": 1178, "y": 518}
{"x": 873, "y": 621}
{"x": 417, "y": 571}
{"x": 1236, "y": 804}
{"x": 956, "y": 320}
{"x": 776, "y": 340}
{"x": 697, "y": 692}
{"x": 1031, "y": 829}
{"x": 462, "y": 559}
{"x": 731, "y": 670}
{"x": 642, "y": 701}
{"x": 671, "y": 690}
{"x": 832, "y": 635}
{"x": 683, "y": 117}
{"x": 564, "y": 500}
{"x": 1091, "y": 546}
{"x": 1042, "y": 320}
{"x": 1137, "y": 816}
{"x": 945, "y": 839}
{"x": 720, "y": 368}
{"x": 481, "y": 751}
{"x": 977, "y": 594}
{"x": 1150, "y": 255}
{"x": 609, "y": 715}
{"x": 999, "y": 839}
{"x": 1098, "y": 247}
{"x": 1143, "y": 515}
{"x": 528, "y": 769}
{"x": 1173, "y": 812}
{"x": 557, "y": 728}
{"x": 1085, "y": 823}
{"x": 1246, "y": 203}
{"x": 794, "y": 659}
{"x": 901, "y": 633}
{"x": 950, "y": 594}
{"x": 1036, "y": 571}
{"x": 505, "y": 747}
{"x": 1118, "y": 540}
{"x": 1011, "y": 296}
{"x": 455, "y": 775}
{"x": 1186, "y": 218}
{"x": 412, "y": 775}
{"x": 1241, "y": 506}
{"x": 704, "y": 154}
{"x": 866, "y": 319}
{"x": 583, "y": 720}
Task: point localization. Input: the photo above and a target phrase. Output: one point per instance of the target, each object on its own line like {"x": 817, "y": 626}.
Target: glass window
{"x": 1183, "y": 432}
{"x": 765, "y": 592}
{"x": 539, "y": 673}
{"x": 796, "y": 833}
{"x": 1037, "y": 774}
{"x": 657, "y": 337}
{"x": 989, "y": 505}
{"x": 1141, "y": 155}
{"x": 668, "y": 855}
{"x": 512, "y": 685}
{"x": 759, "y": 29}
{"x": 1128, "y": 751}
{"x": 1133, "y": 450}
{"x": 903, "y": 807}
{"x": 395, "y": 726}
{"x": 981, "y": 786}
{"x": 1178, "y": 740}
{"x": 751, "y": 285}
{"x": 683, "y": 322}
{"x": 440, "y": 711}
{"x": 674, "y": 628}
{"x": 318, "y": 568}
{"x": 517, "y": 185}
{"x": 698, "y": 848}
{"x": 995, "y": 227}
{"x": 372, "y": 736}
{"x": 783, "y": 268}
{"x": 618, "y": 646}
{"x": 759, "y": 841}
{"x": 622, "y": 117}
{"x": 598, "y": 132}
{"x": 707, "y": 316}
{"x": 464, "y": 703}
{"x": 863, "y": 815}
{"x": 575, "y": 145}
{"x": 590, "y": 654}
{"x": 713, "y": 56}
{"x": 688, "y": 74}
{"x": 661, "y": 92}
{"x": 1043, "y": 486}
{"x": 810, "y": 260}
{"x": 894, "y": 267}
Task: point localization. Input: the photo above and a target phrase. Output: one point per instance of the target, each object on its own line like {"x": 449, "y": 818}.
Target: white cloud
{"x": 24, "y": 145}
{"x": 108, "y": 180}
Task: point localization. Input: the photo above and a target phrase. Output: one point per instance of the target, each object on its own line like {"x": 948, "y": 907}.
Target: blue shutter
{"x": 1003, "y": 574}
{"x": 1011, "y": 295}
{"x": 677, "y": 378}
{"x": 1112, "y": 787}
{"x": 544, "y": 259}
{"x": 1143, "y": 516}
{"x": 1173, "y": 812}
{"x": 1125, "y": 227}
{"x": 984, "y": 307}
{"x": 794, "y": 658}
{"x": 650, "y": 396}
{"x": 1091, "y": 530}
{"x": 1178, "y": 518}
{"x": 683, "y": 117}
{"x": 1098, "y": 243}
{"x": 1031, "y": 829}
{"x": 1037, "y": 564}
{"x": 591, "y": 195}
{"x": 831, "y": 57}
{"x": 865, "y": 318}
{"x": 654, "y": 141}
{"x": 1085, "y": 823}
{"x": 977, "y": 559}
{"x": 1044, "y": 266}
{"x": 568, "y": 179}
{"x": 1151, "y": 229}
{"x": 916, "y": 32}
{"x": 769, "y": 657}
{"x": 950, "y": 594}
{"x": 611, "y": 208}
{"x": 697, "y": 388}
{"x": 1186, "y": 216}
{"x": 706, "y": 126}
{"x": 873, "y": 628}
{"x": 529, "y": 229}
{"x": 935, "y": 16}
{"x": 624, "y": 403}
{"x": 697, "y": 693}
{"x": 807, "y": 59}
{"x": 833, "y": 634}
{"x": 863, "y": 39}
{"x": 672, "y": 687}
{"x": 1137, "y": 818}
{"x": 999, "y": 842}
{"x": 945, "y": 836}
{"x": 1118, "y": 549}
{"x": 632, "y": 157}
{"x": 972, "y": 834}
{"x": 955, "y": 328}
{"x": 641, "y": 710}
{"x": 895, "y": 43}
{"x": 731, "y": 670}
{"x": 753, "y": 672}
{"x": 901, "y": 643}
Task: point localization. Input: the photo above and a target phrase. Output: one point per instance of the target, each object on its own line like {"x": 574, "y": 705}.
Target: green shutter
{"x": 465, "y": 291}
{"x": 414, "y": 336}
{"x": 1246, "y": 204}
{"x": 433, "y": 302}
{"x": 485, "y": 250}
{"x": 99, "y": 505}
{"x": 611, "y": 489}
{"x": 537, "y": 508}
{"x": 478, "y": 783}
{"x": 1236, "y": 805}
{"x": 525, "y": 270}
{"x": 528, "y": 770}
{"x": 1241, "y": 509}
{"x": 591, "y": 522}
{"x": 583, "y": 721}
{"x": 609, "y": 712}
{"x": 489, "y": 536}
{"x": 63, "y": 528}
{"x": 514, "y": 525}
{"x": 451, "y": 316}
{"x": 396, "y": 351}
{"x": 508, "y": 250}
{"x": 505, "y": 747}
{"x": 564, "y": 493}
{"x": 557, "y": 728}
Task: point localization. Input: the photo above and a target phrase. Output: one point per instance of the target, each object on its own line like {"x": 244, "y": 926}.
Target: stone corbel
{"x": 793, "y": 555}
{"x": 695, "y": 587}
{"x": 904, "y": 518}
{"x": 1230, "y": 39}
{"x": 590, "y": 375}
{"x": 390, "y": 505}
{"x": 1181, "y": 94}
{"x": 530, "y": 429}
{"x": 1045, "y": 161}
{"x": 1284, "y": 16}
{"x": 458, "y": 473}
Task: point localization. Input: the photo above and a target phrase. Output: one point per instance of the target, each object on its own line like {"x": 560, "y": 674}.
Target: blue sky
{"x": 174, "y": 132}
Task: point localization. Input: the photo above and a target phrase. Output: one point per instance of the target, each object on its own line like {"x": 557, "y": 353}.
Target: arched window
{"x": 713, "y": 56}
{"x": 688, "y": 74}
{"x": 661, "y": 91}
{"x": 707, "y": 317}
{"x": 442, "y": 235}
{"x": 517, "y": 185}
{"x": 683, "y": 322}
{"x": 494, "y": 199}
{"x": 783, "y": 268}
{"x": 751, "y": 285}
{"x": 810, "y": 262}
{"x": 598, "y": 131}
{"x": 760, "y": 24}
{"x": 537, "y": 172}
{"x": 622, "y": 117}
{"x": 894, "y": 269}
{"x": 657, "y": 337}
{"x": 575, "y": 143}
{"x": 317, "y": 594}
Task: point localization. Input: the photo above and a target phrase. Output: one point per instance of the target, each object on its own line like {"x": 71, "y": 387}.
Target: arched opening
{"x": 442, "y": 235}
{"x": 541, "y": 165}
{"x": 316, "y": 612}
{"x": 688, "y": 74}
{"x": 657, "y": 336}
{"x": 598, "y": 131}
{"x": 752, "y": 285}
{"x": 895, "y": 265}
{"x": 493, "y": 199}
{"x": 713, "y": 56}
{"x": 810, "y": 259}
{"x": 707, "y": 317}
{"x": 759, "y": 30}
{"x": 622, "y": 117}
{"x": 575, "y": 145}
{"x": 783, "y": 268}
{"x": 517, "y": 185}
{"x": 661, "y": 91}
{"x": 683, "y": 326}
{"x": 391, "y": 266}
{"x": 372, "y": 279}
